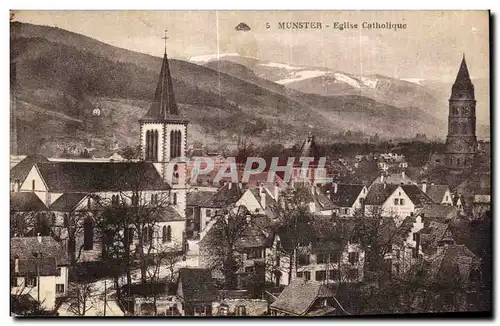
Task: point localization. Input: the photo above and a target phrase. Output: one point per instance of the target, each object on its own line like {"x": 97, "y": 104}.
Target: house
{"x": 455, "y": 274}
{"x": 197, "y": 290}
{"x": 234, "y": 306}
{"x": 481, "y": 206}
{"x": 29, "y": 215}
{"x": 440, "y": 194}
{"x": 347, "y": 197}
{"x": 393, "y": 178}
{"x": 434, "y": 235}
{"x": 71, "y": 188}
{"x": 20, "y": 171}
{"x": 39, "y": 267}
{"x": 151, "y": 299}
{"x": 397, "y": 201}
{"x": 306, "y": 298}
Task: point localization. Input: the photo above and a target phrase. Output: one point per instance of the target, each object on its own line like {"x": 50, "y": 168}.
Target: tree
{"x": 294, "y": 224}
{"x": 80, "y": 298}
{"x": 219, "y": 243}
{"x": 131, "y": 153}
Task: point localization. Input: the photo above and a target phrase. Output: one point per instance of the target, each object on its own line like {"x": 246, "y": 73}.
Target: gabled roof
{"x": 89, "y": 177}
{"x": 164, "y": 106}
{"x": 271, "y": 204}
{"x": 25, "y": 247}
{"x": 439, "y": 213}
{"x": 45, "y": 266}
{"x": 252, "y": 237}
{"x": 67, "y": 202}
{"x": 417, "y": 196}
{"x": 405, "y": 228}
{"x": 346, "y": 194}
{"x": 197, "y": 285}
{"x": 227, "y": 195}
{"x": 169, "y": 214}
{"x": 298, "y": 296}
{"x": 432, "y": 234}
{"x": 437, "y": 192}
{"x": 199, "y": 198}
{"x": 21, "y": 170}
{"x": 26, "y": 202}
{"x": 379, "y": 192}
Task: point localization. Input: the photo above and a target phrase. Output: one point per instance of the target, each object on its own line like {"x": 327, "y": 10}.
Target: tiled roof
{"x": 21, "y": 170}
{"x": 26, "y": 202}
{"x": 432, "y": 234}
{"x": 67, "y": 202}
{"x": 199, "y": 198}
{"x": 417, "y": 196}
{"x": 439, "y": 213}
{"x": 379, "y": 193}
{"x": 101, "y": 176}
{"x": 299, "y": 295}
{"x": 169, "y": 214}
{"x": 197, "y": 285}
{"x": 25, "y": 247}
{"x": 227, "y": 195}
{"x": 45, "y": 266}
{"x": 463, "y": 87}
{"x": 436, "y": 192}
{"x": 346, "y": 194}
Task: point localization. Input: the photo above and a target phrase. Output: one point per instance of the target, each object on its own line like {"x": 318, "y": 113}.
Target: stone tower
{"x": 461, "y": 143}
{"x": 164, "y": 135}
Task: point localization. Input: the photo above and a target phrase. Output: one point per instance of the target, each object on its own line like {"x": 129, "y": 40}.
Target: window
{"x": 414, "y": 252}
{"x": 446, "y": 198}
{"x": 128, "y": 236}
{"x": 414, "y": 236}
{"x": 115, "y": 200}
{"x": 241, "y": 311}
{"x": 88, "y": 234}
{"x": 169, "y": 233}
{"x": 59, "y": 270}
{"x": 13, "y": 282}
{"x": 33, "y": 184}
{"x": 304, "y": 260}
{"x": 398, "y": 254}
{"x": 152, "y": 145}
{"x": 300, "y": 274}
{"x": 352, "y": 273}
{"x": 321, "y": 258}
{"x": 353, "y": 257}
{"x": 249, "y": 269}
{"x": 320, "y": 275}
{"x": 396, "y": 201}
{"x": 147, "y": 235}
{"x": 335, "y": 258}
{"x": 397, "y": 269}
{"x": 401, "y": 201}
{"x": 53, "y": 219}
{"x": 88, "y": 203}
{"x": 307, "y": 276}
{"x": 59, "y": 288}
{"x": 333, "y": 274}
{"x": 175, "y": 144}
{"x": 30, "y": 282}
{"x": 164, "y": 234}
{"x": 66, "y": 220}
{"x": 362, "y": 200}
{"x": 135, "y": 200}
{"x": 254, "y": 253}
{"x": 174, "y": 199}
{"x": 346, "y": 211}
{"x": 175, "y": 175}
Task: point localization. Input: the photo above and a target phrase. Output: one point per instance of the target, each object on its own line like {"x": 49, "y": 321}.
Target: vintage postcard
{"x": 250, "y": 163}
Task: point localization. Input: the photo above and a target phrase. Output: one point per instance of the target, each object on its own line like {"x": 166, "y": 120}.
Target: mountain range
{"x": 63, "y": 76}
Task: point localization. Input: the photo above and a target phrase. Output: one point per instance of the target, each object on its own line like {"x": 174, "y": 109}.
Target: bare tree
{"x": 80, "y": 298}
{"x": 220, "y": 242}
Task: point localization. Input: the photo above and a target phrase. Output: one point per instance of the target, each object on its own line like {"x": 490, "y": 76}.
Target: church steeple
{"x": 463, "y": 87}
{"x": 164, "y": 106}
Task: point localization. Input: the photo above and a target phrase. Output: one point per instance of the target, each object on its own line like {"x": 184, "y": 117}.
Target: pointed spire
{"x": 164, "y": 106}
{"x": 463, "y": 87}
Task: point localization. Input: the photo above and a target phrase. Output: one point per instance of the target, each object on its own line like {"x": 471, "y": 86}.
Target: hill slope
{"x": 63, "y": 76}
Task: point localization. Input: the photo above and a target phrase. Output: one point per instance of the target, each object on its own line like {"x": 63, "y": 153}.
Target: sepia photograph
{"x": 228, "y": 163}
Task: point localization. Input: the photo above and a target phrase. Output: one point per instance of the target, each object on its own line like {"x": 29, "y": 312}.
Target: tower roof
{"x": 164, "y": 106}
{"x": 463, "y": 87}
{"x": 309, "y": 148}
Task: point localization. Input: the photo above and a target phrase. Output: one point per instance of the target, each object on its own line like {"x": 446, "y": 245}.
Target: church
{"x": 462, "y": 164}
{"x": 67, "y": 188}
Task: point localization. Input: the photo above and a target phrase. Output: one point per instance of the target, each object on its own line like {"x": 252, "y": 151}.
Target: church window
{"x": 174, "y": 198}
{"x": 175, "y": 175}
{"x": 88, "y": 234}
{"x": 169, "y": 234}
{"x": 164, "y": 234}
{"x": 175, "y": 144}
{"x": 458, "y": 161}
{"x": 152, "y": 145}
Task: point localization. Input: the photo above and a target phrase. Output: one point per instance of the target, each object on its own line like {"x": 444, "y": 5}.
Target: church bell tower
{"x": 461, "y": 143}
{"x": 164, "y": 135}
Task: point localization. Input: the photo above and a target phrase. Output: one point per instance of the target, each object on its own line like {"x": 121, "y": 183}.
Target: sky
{"x": 431, "y": 46}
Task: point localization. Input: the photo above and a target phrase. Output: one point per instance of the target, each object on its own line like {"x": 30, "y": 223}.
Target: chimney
{"x": 276, "y": 191}
{"x": 262, "y": 193}
{"x": 16, "y": 264}
{"x": 382, "y": 179}
{"x": 424, "y": 186}
{"x": 335, "y": 187}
